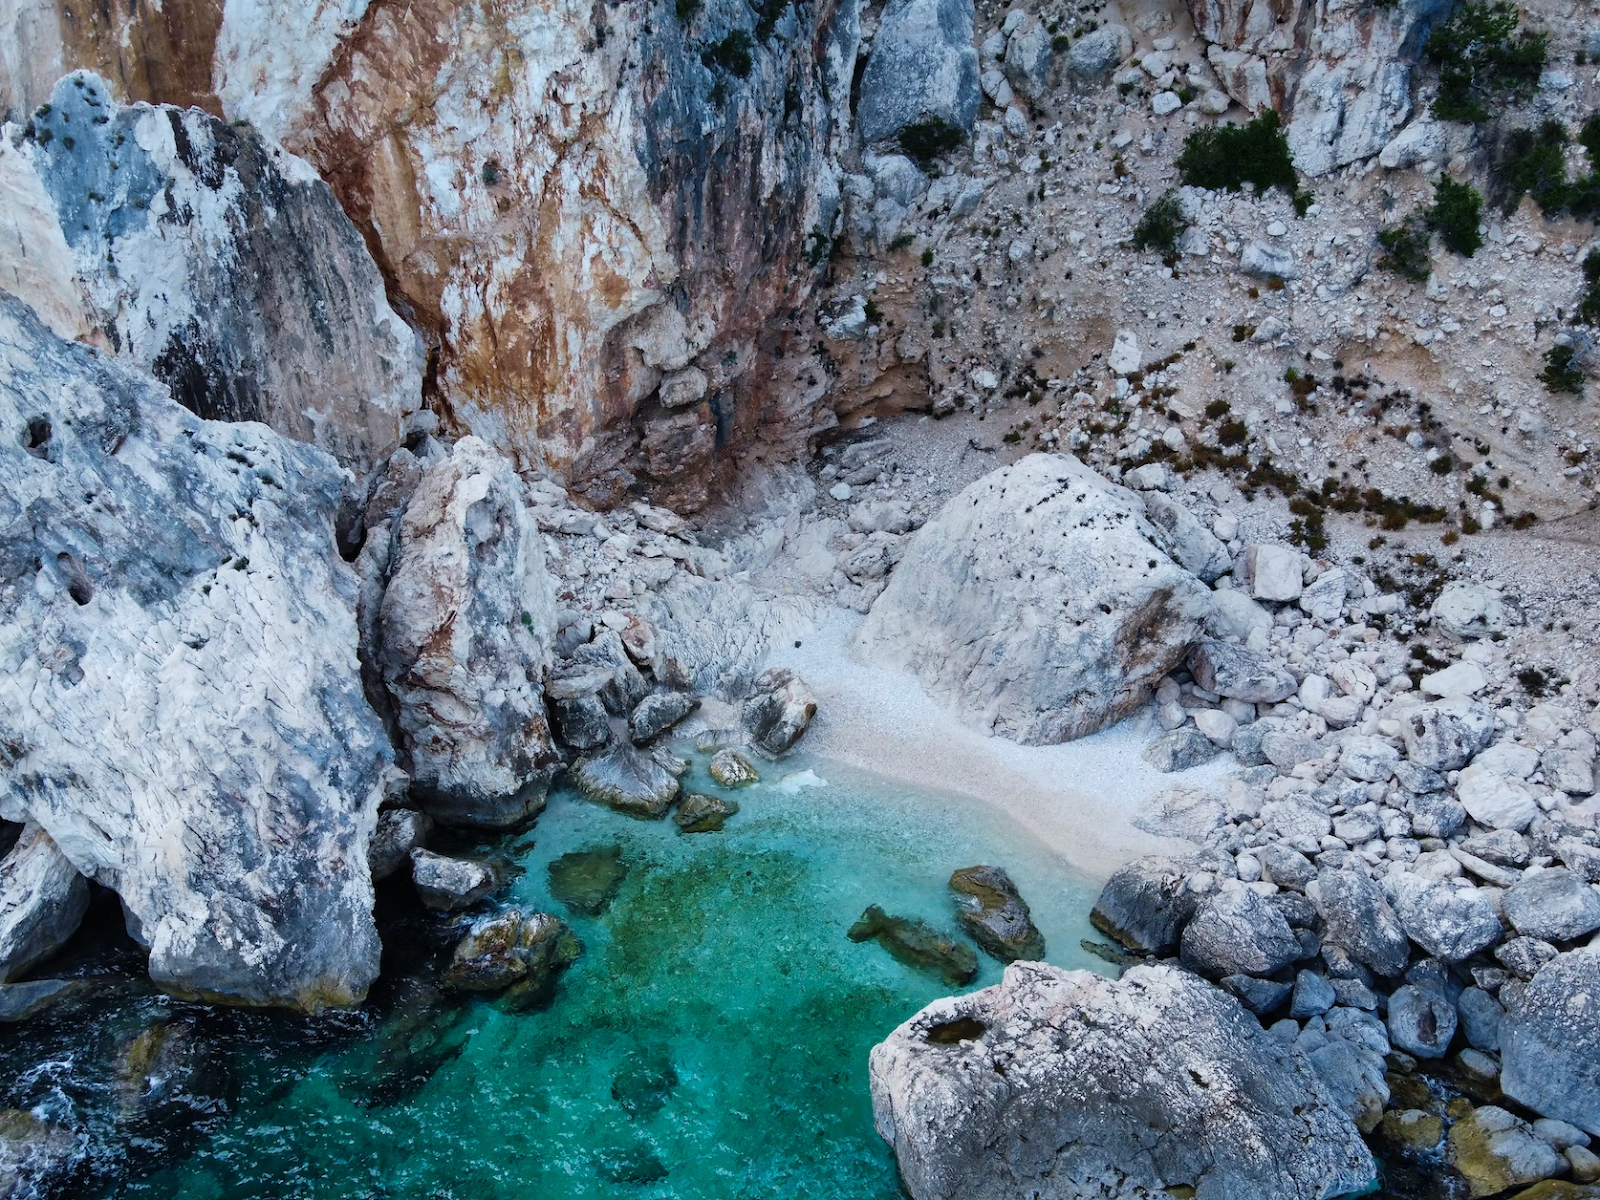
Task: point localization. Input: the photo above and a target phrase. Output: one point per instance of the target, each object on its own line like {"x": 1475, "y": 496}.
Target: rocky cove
{"x": 842, "y": 599}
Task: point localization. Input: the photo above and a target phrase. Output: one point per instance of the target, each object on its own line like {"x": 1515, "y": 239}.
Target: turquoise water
{"x": 711, "y": 1042}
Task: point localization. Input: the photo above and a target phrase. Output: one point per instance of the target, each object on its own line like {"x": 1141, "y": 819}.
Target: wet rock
{"x": 448, "y": 884}
{"x": 1180, "y": 750}
{"x": 658, "y": 713}
{"x": 1145, "y": 904}
{"x": 731, "y": 769}
{"x": 1550, "y": 1041}
{"x": 1421, "y": 1022}
{"x": 1238, "y": 933}
{"x": 1417, "y": 1131}
{"x": 699, "y": 813}
{"x": 36, "y": 1156}
{"x": 225, "y": 622}
{"x": 1357, "y": 918}
{"x": 21, "y": 1001}
{"x": 1448, "y": 922}
{"x": 1240, "y": 673}
{"x": 923, "y": 66}
{"x": 627, "y": 780}
{"x": 399, "y": 832}
{"x": 524, "y": 954}
{"x": 1037, "y": 604}
{"x": 778, "y": 711}
{"x": 1553, "y": 904}
{"x": 42, "y": 902}
{"x": 270, "y": 307}
{"x": 466, "y": 626}
{"x": 993, "y": 914}
{"x": 1495, "y": 1150}
{"x": 917, "y": 944}
{"x": 1446, "y": 734}
{"x": 1064, "y": 1073}
{"x": 587, "y": 880}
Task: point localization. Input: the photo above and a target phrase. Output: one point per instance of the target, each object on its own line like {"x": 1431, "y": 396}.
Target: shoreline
{"x": 882, "y": 721}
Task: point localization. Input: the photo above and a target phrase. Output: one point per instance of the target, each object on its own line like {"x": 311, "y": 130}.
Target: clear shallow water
{"x": 710, "y": 1043}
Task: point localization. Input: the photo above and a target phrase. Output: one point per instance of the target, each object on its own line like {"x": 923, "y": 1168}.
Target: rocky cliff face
{"x": 591, "y": 212}
{"x": 1340, "y": 71}
{"x": 218, "y": 262}
{"x": 180, "y": 701}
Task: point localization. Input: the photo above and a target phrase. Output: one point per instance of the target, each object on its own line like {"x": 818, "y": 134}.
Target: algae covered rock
{"x": 586, "y": 880}
{"x": 1055, "y": 1082}
{"x": 993, "y": 914}
{"x": 917, "y": 944}
{"x": 524, "y": 954}
{"x": 628, "y": 780}
{"x": 1496, "y": 1150}
{"x": 732, "y": 769}
{"x": 699, "y": 813}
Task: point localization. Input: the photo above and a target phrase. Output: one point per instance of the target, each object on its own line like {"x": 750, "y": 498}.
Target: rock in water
{"x": 994, "y": 914}
{"x": 778, "y": 711}
{"x": 447, "y": 884}
{"x": 269, "y": 307}
{"x": 508, "y": 950}
{"x": 400, "y": 831}
{"x": 732, "y": 769}
{"x": 465, "y": 632}
{"x": 35, "y": 1156}
{"x": 181, "y": 576}
{"x": 700, "y": 813}
{"x": 627, "y": 780}
{"x": 917, "y": 944}
{"x": 1495, "y": 1150}
{"x": 42, "y": 901}
{"x": 923, "y": 67}
{"x": 1053, "y": 1081}
{"x": 1036, "y": 603}
{"x": 1550, "y": 1041}
{"x": 586, "y": 880}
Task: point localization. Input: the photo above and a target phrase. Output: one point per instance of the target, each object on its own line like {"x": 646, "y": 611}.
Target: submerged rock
{"x": 628, "y": 780}
{"x": 732, "y": 769}
{"x": 586, "y": 880}
{"x": 511, "y": 951}
{"x": 699, "y": 813}
{"x": 778, "y": 711}
{"x": 1037, "y": 604}
{"x": 182, "y": 576}
{"x": 35, "y": 1155}
{"x": 447, "y": 884}
{"x": 1054, "y": 1080}
{"x": 20, "y": 1001}
{"x": 644, "y": 1085}
{"x": 42, "y": 902}
{"x": 993, "y": 914}
{"x": 917, "y": 944}
{"x": 465, "y": 630}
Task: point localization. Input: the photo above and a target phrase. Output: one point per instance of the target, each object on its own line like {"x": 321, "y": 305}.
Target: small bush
{"x": 1226, "y": 157}
{"x": 927, "y": 257}
{"x": 1483, "y": 60}
{"x": 901, "y": 241}
{"x": 1533, "y": 163}
{"x": 686, "y": 10}
{"x": 768, "y": 14}
{"x": 1560, "y": 373}
{"x": 1455, "y": 215}
{"x": 1061, "y": 43}
{"x": 1405, "y": 252}
{"x": 731, "y": 54}
{"x": 874, "y": 313}
{"x": 929, "y": 140}
{"x": 1161, "y": 226}
{"x": 1589, "y": 306}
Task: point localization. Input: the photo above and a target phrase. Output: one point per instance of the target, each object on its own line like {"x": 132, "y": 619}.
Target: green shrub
{"x": 1060, "y": 43}
{"x": 1405, "y": 252}
{"x": 686, "y": 10}
{"x": 927, "y": 257}
{"x": 768, "y": 14}
{"x": 1533, "y": 163}
{"x": 1226, "y": 157}
{"x": 1161, "y": 226}
{"x": 1560, "y": 373}
{"x": 1480, "y": 61}
{"x": 731, "y": 54}
{"x": 1455, "y": 215}
{"x": 929, "y": 140}
{"x": 901, "y": 241}
{"x": 1589, "y": 306}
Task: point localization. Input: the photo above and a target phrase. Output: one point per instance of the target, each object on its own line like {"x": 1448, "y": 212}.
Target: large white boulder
{"x": 180, "y": 700}
{"x": 1051, "y": 1083}
{"x": 1037, "y": 603}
